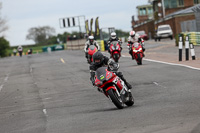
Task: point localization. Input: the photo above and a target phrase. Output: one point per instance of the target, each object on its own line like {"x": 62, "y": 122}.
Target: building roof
{"x": 142, "y": 6}
{"x": 185, "y": 11}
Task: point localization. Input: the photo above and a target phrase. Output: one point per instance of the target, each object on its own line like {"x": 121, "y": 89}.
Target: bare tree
{"x": 40, "y": 34}
{"x": 3, "y": 26}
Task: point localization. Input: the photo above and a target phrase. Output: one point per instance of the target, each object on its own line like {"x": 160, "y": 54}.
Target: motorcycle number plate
{"x": 102, "y": 77}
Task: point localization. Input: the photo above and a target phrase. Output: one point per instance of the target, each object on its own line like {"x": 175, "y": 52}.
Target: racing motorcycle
{"x": 113, "y": 87}
{"x": 137, "y": 52}
{"x": 91, "y": 50}
{"x": 115, "y": 50}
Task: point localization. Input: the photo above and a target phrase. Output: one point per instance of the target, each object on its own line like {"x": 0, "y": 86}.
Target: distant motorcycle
{"x": 115, "y": 50}
{"x": 137, "y": 52}
{"x": 91, "y": 50}
{"x": 113, "y": 87}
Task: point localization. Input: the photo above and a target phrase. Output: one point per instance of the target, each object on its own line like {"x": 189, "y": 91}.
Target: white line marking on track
{"x": 173, "y": 64}
{"x": 159, "y": 85}
{"x": 45, "y": 112}
{"x": 61, "y": 59}
{"x": 5, "y": 80}
{"x": 31, "y": 69}
{"x": 1, "y": 87}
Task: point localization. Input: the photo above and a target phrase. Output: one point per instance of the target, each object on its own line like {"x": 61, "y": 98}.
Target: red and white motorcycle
{"x": 137, "y": 52}
{"x": 91, "y": 50}
{"x": 115, "y": 50}
{"x": 113, "y": 87}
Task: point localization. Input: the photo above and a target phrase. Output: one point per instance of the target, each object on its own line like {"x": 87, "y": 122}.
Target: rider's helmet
{"x": 91, "y": 39}
{"x": 113, "y": 35}
{"x": 132, "y": 33}
{"x": 98, "y": 58}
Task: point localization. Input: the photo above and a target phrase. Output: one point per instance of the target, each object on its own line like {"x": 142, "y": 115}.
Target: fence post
{"x": 187, "y": 48}
{"x": 180, "y": 47}
{"x": 192, "y": 51}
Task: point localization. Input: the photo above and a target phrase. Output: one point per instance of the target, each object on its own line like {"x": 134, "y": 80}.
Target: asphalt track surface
{"x": 51, "y": 93}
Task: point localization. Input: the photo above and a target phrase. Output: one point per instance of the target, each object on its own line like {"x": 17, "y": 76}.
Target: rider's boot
{"x": 126, "y": 83}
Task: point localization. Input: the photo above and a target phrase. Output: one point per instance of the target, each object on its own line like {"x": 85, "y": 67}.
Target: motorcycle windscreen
{"x": 91, "y": 49}
{"x": 115, "y": 44}
{"x": 136, "y": 45}
{"x": 103, "y": 75}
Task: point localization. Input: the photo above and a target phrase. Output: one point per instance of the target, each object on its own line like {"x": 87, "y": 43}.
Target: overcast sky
{"x": 25, "y": 14}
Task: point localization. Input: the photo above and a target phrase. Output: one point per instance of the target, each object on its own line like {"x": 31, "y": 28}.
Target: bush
{"x": 4, "y": 46}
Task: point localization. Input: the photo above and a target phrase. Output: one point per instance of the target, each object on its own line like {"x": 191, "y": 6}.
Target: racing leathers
{"x": 87, "y": 44}
{"x": 132, "y": 40}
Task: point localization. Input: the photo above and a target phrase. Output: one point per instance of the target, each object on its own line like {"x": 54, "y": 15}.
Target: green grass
{"x": 35, "y": 48}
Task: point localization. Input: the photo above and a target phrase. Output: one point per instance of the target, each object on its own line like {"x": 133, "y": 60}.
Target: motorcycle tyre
{"x": 115, "y": 99}
{"x": 115, "y": 59}
{"x": 139, "y": 59}
{"x": 131, "y": 101}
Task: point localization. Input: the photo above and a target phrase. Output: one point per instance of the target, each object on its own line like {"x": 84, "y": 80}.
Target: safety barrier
{"x": 76, "y": 44}
{"x": 53, "y": 48}
{"x": 194, "y": 37}
{"x": 101, "y": 44}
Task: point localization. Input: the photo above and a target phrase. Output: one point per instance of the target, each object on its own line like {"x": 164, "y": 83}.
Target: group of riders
{"x": 99, "y": 60}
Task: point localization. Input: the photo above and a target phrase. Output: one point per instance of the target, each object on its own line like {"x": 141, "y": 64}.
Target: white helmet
{"x": 132, "y": 33}
{"x": 113, "y": 35}
{"x": 91, "y": 39}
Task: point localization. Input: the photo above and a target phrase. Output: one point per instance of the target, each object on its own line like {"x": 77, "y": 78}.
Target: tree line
{"x": 4, "y": 44}
{"x": 42, "y": 35}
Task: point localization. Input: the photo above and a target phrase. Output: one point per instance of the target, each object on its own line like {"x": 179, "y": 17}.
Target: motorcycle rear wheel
{"x": 116, "y": 99}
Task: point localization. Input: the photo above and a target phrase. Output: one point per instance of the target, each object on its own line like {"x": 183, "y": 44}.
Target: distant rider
{"x": 99, "y": 60}
{"x": 113, "y": 37}
{"x": 132, "y": 39}
{"x": 20, "y": 50}
{"x": 90, "y": 41}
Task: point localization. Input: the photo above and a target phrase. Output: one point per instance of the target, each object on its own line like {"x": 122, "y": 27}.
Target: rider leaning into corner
{"x": 113, "y": 37}
{"x": 99, "y": 60}
{"x": 132, "y": 39}
{"x": 90, "y": 41}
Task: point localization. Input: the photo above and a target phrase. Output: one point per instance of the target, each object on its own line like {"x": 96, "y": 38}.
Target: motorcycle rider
{"x": 113, "y": 37}
{"x": 90, "y": 41}
{"x": 100, "y": 60}
{"x": 20, "y": 50}
{"x": 134, "y": 38}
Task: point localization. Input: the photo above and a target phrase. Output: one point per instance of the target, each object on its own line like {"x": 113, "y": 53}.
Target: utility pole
{"x": 163, "y": 7}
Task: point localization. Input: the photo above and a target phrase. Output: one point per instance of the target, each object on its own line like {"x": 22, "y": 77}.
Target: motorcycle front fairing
{"x": 137, "y": 48}
{"x": 108, "y": 80}
{"x": 91, "y": 50}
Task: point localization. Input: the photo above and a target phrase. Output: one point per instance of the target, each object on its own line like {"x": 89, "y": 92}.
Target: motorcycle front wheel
{"x": 115, "y": 99}
{"x": 116, "y": 57}
{"x": 139, "y": 59}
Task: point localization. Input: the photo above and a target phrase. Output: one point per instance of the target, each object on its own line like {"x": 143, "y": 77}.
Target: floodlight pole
{"x": 163, "y": 7}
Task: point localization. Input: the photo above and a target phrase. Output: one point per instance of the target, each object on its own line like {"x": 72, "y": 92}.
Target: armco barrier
{"x": 53, "y": 48}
